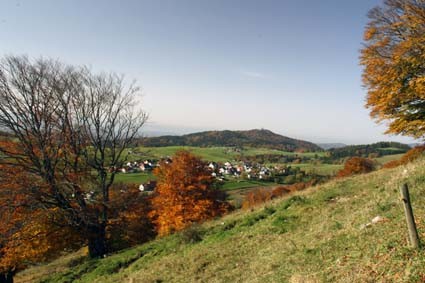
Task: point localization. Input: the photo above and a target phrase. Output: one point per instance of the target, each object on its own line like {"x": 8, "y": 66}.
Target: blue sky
{"x": 290, "y": 66}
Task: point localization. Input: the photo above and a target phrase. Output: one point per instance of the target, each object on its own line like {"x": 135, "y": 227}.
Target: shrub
{"x": 409, "y": 156}
{"x": 356, "y": 165}
{"x": 392, "y": 164}
{"x": 412, "y": 154}
{"x": 259, "y": 196}
{"x": 192, "y": 234}
{"x": 280, "y": 191}
{"x": 256, "y": 197}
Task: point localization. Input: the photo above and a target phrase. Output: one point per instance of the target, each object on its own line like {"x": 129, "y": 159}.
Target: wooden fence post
{"x": 408, "y": 211}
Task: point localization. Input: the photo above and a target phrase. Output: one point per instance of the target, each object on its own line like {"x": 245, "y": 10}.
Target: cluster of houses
{"x": 136, "y": 166}
{"x": 240, "y": 169}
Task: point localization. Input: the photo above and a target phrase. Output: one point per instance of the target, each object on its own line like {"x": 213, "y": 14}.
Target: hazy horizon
{"x": 287, "y": 66}
{"x": 150, "y": 130}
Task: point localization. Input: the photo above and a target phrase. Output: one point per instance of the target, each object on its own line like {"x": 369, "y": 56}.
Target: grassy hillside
{"x": 252, "y": 138}
{"x": 318, "y": 235}
{"x": 387, "y": 158}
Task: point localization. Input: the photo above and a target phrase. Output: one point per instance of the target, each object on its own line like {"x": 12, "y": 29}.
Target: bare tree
{"x": 70, "y": 127}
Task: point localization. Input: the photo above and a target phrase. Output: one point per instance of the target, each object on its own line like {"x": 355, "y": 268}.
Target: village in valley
{"x": 238, "y": 168}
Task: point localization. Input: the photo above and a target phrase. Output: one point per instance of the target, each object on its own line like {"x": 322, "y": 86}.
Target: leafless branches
{"x": 69, "y": 127}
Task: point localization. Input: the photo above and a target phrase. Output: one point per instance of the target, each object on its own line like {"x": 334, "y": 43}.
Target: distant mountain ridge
{"x": 253, "y": 138}
{"x": 327, "y": 146}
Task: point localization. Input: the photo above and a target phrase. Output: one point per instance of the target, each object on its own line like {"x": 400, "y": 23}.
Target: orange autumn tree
{"x": 27, "y": 231}
{"x": 12, "y": 216}
{"x": 185, "y": 194}
{"x": 356, "y": 165}
{"x": 394, "y": 66}
{"x": 33, "y": 239}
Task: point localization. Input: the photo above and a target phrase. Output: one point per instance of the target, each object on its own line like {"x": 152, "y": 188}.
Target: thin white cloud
{"x": 251, "y": 74}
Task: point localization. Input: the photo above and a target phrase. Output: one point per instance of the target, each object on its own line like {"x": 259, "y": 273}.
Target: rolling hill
{"x": 364, "y": 150}
{"x": 322, "y": 234}
{"x": 252, "y": 138}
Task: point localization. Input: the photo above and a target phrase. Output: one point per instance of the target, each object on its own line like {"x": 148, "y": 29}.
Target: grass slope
{"x": 314, "y": 236}
{"x": 387, "y": 158}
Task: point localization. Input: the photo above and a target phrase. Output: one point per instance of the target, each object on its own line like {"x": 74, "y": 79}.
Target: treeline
{"x": 277, "y": 158}
{"x": 369, "y": 150}
{"x": 252, "y": 138}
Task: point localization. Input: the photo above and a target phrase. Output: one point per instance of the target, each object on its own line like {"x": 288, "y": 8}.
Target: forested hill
{"x": 378, "y": 149}
{"x": 252, "y": 138}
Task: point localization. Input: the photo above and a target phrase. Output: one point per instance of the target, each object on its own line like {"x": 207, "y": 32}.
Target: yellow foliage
{"x": 393, "y": 60}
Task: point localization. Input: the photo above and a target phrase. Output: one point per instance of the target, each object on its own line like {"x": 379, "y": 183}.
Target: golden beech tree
{"x": 185, "y": 194}
{"x": 394, "y": 66}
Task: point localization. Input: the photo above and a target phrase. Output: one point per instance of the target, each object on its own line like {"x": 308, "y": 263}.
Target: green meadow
{"x": 387, "y": 158}
{"x": 135, "y": 178}
{"x": 215, "y": 154}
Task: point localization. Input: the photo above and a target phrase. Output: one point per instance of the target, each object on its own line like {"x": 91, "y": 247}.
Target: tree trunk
{"x": 97, "y": 241}
{"x": 6, "y": 277}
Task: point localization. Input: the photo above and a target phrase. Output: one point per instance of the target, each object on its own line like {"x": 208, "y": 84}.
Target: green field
{"x": 387, "y": 158}
{"x": 395, "y": 149}
{"x": 216, "y": 154}
{"x": 243, "y": 184}
{"x": 228, "y": 185}
{"x": 321, "y": 169}
{"x": 318, "y": 235}
{"x": 135, "y": 178}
